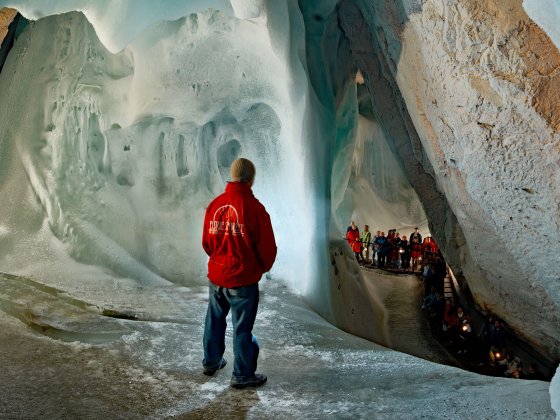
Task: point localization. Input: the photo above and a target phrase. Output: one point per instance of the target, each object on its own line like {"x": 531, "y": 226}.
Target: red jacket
{"x": 238, "y": 237}
{"x": 353, "y": 238}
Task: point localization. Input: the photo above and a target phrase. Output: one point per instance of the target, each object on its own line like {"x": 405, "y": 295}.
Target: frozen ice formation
{"x": 117, "y": 23}
{"x": 555, "y": 393}
{"x": 124, "y": 150}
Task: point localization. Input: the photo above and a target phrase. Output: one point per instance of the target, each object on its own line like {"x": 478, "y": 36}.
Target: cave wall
{"x": 469, "y": 94}
{"x": 8, "y": 21}
{"x": 7, "y": 16}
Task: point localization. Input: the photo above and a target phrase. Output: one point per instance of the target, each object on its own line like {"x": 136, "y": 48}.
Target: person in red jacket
{"x": 353, "y": 238}
{"x": 238, "y": 237}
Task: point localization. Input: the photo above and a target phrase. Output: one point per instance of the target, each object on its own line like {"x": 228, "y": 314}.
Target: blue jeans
{"x": 243, "y": 302}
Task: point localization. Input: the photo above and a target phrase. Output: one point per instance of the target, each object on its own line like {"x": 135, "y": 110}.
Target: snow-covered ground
{"x": 151, "y": 367}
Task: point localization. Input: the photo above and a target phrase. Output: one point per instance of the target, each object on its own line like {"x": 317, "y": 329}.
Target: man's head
{"x": 242, "y": 170}
{"x": 366, "y": 228}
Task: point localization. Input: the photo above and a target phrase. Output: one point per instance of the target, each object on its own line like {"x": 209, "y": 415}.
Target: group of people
{"x": 455, "y": 327}
{"x": 493, "y": 351}
{"x": 391, "y": 251}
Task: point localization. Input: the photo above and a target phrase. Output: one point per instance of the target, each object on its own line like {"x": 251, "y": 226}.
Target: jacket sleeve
{"x": 205, "y": 235}
{"x": 266, "y": 243}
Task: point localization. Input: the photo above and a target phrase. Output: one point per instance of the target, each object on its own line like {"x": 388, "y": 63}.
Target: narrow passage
{"x": 409, "y": 331}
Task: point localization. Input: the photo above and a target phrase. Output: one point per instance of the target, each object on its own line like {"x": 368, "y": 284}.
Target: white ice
{"x": 117, "y": 23}
{"x": 122, "y": 153}
{"x": 555, "y": 393}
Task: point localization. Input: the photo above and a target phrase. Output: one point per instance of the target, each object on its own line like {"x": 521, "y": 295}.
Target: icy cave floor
{"x": 150, "y": 367}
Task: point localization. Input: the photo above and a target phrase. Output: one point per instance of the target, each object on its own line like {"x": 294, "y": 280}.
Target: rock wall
{"x": 469, "y": 92}
{"x": 7, "y": 19}
{"x": 7, "y": 15}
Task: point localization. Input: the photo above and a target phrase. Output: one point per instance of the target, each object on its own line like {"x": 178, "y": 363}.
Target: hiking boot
{"x": 257, "y": 380}
{"x": 210, "y": 371}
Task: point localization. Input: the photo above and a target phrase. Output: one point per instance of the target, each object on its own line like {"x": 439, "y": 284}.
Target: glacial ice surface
{"x": 117, "y": 23}
{"x": 151, "y": 366}
{"x": 118, "y": 154}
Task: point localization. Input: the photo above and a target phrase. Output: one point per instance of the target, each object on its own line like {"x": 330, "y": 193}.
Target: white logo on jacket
{"x": 226, "y": 222}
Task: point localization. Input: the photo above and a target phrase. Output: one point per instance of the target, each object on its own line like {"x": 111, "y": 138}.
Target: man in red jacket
{"x": 238, "y": 237}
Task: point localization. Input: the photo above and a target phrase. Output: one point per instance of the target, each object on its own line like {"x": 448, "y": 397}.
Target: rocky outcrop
{"x": 7, "y": 15}
{"x": 8, "y": 19}
{"x": 469, "y": 93}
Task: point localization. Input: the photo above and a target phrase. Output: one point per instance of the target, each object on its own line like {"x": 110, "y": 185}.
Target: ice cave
{"x": 119, "y": 120}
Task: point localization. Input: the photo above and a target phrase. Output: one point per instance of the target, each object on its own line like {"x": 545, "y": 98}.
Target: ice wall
{"x": 117, "y": 23}
{"x": 555, "y": 393}
{"x": 375, "y": 190}
{"x": 346, "y": 181}
{"x": 117, "y": 154}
